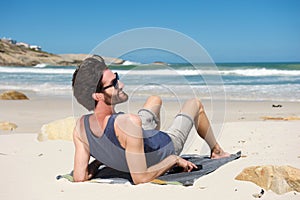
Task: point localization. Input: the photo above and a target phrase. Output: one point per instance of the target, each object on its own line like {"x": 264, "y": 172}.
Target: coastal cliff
{"x": 13, "y": 55}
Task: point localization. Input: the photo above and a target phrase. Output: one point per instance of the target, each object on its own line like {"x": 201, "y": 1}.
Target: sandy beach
{"x": 29, "y": 167}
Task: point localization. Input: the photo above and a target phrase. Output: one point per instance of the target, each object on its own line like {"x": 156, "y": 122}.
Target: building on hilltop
{"x": 21, "y": 44}
{"x": 35, "y": 47}
{"x": 8, "y": 40}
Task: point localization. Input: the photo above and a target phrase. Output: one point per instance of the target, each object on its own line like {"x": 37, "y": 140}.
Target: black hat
{"x": 86, "y": 78}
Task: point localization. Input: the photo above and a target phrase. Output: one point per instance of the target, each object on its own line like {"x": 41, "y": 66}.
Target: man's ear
{"x": 98, "y": 96}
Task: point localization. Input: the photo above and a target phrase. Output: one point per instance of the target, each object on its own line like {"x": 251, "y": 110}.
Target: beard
{"x": 115, "y": 98}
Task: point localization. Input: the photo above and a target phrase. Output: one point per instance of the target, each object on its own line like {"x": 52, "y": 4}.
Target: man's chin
{"x": 121, "y": 98}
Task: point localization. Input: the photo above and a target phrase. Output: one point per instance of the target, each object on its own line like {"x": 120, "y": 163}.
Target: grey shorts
{"x": 178, "y": 131}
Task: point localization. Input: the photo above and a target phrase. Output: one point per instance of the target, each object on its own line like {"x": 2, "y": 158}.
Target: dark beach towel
{"x": 205, "y": 166}
{"x": 174, "y": 176}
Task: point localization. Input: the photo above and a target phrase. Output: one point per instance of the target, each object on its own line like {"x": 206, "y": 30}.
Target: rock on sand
{"x": 279, "y": 179}
{"x": 13, "y": 95}
{"x": 7, "y": 126}
{"x": 58, "y": 130}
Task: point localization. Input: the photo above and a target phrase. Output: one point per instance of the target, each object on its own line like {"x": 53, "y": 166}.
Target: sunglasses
{"x": 115, "y": 84}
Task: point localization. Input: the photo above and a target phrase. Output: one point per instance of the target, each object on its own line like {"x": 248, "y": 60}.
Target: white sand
{"x": 29, "y": 167}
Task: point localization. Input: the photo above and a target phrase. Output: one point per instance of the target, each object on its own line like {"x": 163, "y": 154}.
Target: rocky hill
{"x": 13, "y": 55}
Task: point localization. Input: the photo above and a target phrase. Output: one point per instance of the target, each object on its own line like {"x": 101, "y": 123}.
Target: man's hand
{"x": 186, "y": 165}
{"x": 93, "y": 168}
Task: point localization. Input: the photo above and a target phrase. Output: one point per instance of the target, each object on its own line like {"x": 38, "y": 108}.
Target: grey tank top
{"x": 108, "y": 150}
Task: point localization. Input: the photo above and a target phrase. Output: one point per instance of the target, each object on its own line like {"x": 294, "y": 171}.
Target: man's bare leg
{"x": 195, "y": 109}
{"x": 153, "y": 103}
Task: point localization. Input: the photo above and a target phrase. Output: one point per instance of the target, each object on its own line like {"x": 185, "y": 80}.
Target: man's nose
{"x": 121, "y": 84}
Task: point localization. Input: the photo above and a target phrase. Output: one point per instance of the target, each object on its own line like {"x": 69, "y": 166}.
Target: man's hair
{"x": 86, "y": 80}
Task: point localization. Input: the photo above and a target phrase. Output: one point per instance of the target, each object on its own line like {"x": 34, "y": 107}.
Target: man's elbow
{"x": 77, "y": 178}
{"x": 140, "y": 180}
{"x": 136, "y": 182}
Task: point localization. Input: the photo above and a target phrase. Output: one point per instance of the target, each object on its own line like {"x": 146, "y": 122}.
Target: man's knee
{"x": 196, "y": 104}
{"x": 156, "y": 100}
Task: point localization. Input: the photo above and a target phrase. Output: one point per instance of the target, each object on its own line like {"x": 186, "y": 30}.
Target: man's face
{"x": 114, "y": 94}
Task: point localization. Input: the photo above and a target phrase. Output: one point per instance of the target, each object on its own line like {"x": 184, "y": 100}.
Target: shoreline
{"x": 31, "y": 114}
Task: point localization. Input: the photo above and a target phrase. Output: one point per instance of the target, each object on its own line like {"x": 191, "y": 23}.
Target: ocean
{"x": 232, "y": 81}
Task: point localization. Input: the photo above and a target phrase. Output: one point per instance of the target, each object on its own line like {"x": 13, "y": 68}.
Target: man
{"x": 129, "y": 142}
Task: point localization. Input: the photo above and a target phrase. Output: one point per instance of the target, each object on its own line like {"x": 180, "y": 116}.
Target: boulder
{"x": 13, "y": 95}
{"x": 279, "y": 179}
{"x": 58, "y": 130}
{"x": 7, "y": 126}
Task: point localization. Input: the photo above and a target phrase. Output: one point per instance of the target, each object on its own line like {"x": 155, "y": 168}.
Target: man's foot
{"x": 217, "y": 152}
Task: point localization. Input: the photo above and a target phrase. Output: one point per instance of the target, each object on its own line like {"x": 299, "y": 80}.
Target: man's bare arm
{"x": 82, "y": 156}
{"x": 139, "y": 171}
{"x": 136, "y": 160}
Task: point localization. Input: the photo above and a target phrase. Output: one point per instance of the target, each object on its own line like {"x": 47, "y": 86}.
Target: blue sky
{"x": 230, "y": 31}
